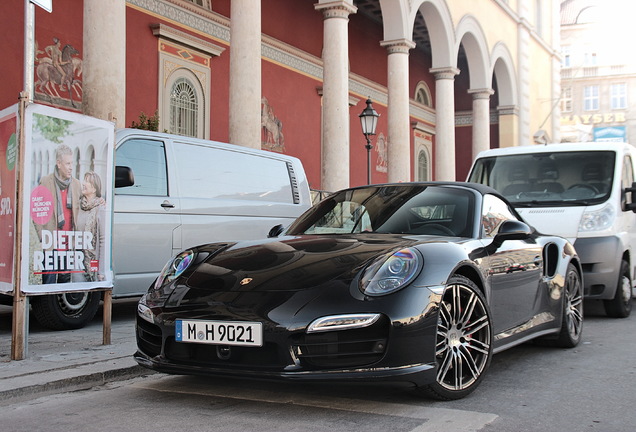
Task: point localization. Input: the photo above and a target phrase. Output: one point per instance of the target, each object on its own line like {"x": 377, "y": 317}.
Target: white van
{"x": 186, "y": 192}
{"x": 580, "y": 191}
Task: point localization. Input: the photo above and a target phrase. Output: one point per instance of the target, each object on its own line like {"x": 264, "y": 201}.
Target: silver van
{"x": 580, "y": 191}
{"x": 186, "y": 192}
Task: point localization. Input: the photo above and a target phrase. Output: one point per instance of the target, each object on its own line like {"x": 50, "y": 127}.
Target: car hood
{"x": 560, "y": 221}
{"x": 291, "y": 263}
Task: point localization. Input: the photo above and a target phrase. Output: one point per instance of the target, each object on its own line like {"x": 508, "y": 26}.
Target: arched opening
{"x": 184, "y": 108}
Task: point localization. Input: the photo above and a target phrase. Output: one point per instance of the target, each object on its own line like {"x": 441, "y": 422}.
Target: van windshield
{"x": 556, "y": 179}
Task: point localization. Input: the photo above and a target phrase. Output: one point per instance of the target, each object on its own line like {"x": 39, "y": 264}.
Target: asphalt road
{"x": 528, "y": 388}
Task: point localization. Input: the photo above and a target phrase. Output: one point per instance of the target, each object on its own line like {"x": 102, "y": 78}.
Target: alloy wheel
{"x": 463, "y": 338}
{"x": 574, "y": 305}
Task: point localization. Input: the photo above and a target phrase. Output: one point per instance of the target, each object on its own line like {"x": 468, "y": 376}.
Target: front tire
{"x": 621, "y": 305}
{"x": 66, "y": 311}
{"x": 464, "y": 341}
{"x": 572, "y": 321}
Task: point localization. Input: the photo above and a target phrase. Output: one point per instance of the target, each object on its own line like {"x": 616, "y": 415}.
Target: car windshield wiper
{"x": 550, "y": 203}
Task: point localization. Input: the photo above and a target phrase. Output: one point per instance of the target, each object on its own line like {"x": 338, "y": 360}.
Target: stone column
{"x": 399, "y": 142}
{"x": 445, "y": 122}
{"x": 481, "y": 119}
{"x": 524, "y": 41}
{"x": 104, "y": 60}
{"x": 556, "y": 72}
{"x": 335, "y": 99}
{"x": 245, "y": 73}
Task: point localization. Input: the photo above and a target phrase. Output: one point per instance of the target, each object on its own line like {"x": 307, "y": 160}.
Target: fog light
{"x": 379, "y": 347}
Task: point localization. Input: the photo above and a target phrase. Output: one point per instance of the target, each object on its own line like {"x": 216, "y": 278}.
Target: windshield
{"x": 401, "y": 209}
{"x": 556, "y": 179}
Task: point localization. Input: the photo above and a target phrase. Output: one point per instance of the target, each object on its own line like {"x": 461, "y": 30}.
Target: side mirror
{"x": 512, "y": 230}
{"x": 631, "y": 205}
{"x": 276, "y": 231}
{"x": 124, "y": 177}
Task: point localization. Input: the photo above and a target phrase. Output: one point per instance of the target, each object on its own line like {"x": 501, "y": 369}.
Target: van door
{"x": 146, "y": 216}
{"x": 627, "y": 180}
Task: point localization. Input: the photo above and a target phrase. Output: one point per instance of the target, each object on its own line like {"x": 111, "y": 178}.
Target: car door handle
{"x": 167, "y": 204}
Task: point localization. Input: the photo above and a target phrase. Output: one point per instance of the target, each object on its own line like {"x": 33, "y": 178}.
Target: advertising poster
{"x": 8, "y": 181}
{"x": 67, "y": 201}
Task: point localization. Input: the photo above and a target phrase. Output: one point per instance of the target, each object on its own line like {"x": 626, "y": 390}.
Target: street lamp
{"x": 369, "y": 120}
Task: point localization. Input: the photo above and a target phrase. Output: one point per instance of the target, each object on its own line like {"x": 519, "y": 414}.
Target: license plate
{"x": 219, "y": 332}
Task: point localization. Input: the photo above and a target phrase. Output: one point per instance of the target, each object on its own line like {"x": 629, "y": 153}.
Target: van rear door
{"x": 147, "y": 214}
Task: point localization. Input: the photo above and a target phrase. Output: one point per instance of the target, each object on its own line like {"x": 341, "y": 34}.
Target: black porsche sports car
{"x": 416, "y": 282}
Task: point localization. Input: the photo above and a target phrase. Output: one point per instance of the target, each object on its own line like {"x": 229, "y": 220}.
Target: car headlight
{"x": 597, "y": 220}
{"x": 175, "y": 268}
{"x": 391, "y": 273}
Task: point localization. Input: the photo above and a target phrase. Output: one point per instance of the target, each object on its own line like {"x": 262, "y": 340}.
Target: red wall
{"x": 366, "y": 57}
{"x": 142, "y": 66}
{"x": 296, "y": 23}
{"x": 297, "y": 104}
{"x": 463, "y": 151}
{"x": 13, "y": 52}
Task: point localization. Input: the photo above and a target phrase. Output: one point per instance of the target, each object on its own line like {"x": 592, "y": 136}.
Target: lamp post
{"x": 369, "y": 120}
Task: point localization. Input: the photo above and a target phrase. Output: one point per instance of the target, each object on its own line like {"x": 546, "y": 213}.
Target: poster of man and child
{"x": 66, "y": 201}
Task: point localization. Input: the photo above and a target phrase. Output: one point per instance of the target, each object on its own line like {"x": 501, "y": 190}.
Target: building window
{"x": 184, "y": 108}
{"x": 590, "y": 59}
{"x": 566, "y": 100}
{"x": 422, "y": 166}
{"x": 618, "y": 96}
{"x": 423, "y": 94}
{"x": 566, "y": 60}
{"x": 590, "y": 98}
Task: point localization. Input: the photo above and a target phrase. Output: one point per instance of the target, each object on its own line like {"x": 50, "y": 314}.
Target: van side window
{"x": 147, "y": 159}
{"x": 494, "y": 213}
{"x": 628, "y": 172}
{"x": 227, "y": 174}
{"x": 627, "y": 179}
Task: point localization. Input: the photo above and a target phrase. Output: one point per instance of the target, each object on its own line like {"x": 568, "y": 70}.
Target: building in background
{"x": 598, "y": 74}
{"x": 448, "y": 78}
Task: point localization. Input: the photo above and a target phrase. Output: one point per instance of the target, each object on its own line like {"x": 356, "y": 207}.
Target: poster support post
{"x": 20, "y": 330}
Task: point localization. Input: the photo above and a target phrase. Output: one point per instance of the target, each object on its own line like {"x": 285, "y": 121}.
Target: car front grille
{"x": 266, "y": 357}
{"x": 344, "y": 348}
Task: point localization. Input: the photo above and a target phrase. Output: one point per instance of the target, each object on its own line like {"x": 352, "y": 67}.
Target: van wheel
{"x": 65, "y": 311}
{"x": 621, "y": 305}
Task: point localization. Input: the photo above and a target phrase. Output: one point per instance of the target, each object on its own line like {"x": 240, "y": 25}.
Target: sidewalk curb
{"x": 74, "y": 380}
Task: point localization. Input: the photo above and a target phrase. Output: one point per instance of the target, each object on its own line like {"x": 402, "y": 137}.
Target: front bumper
{"x": 418, "y": 374}
{"x": 601, "y": 261}
{"x": 399, "y": 346}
